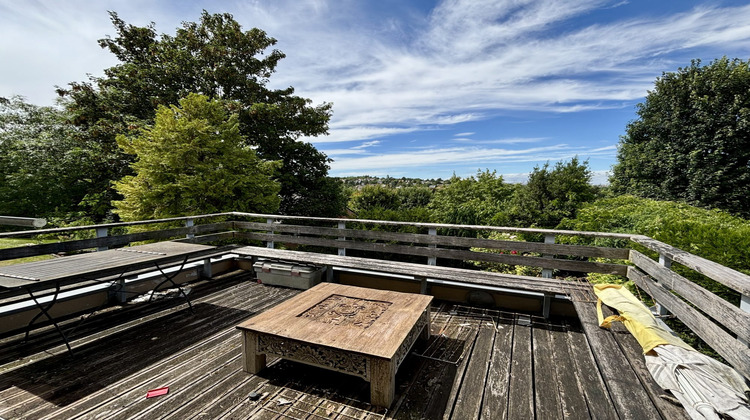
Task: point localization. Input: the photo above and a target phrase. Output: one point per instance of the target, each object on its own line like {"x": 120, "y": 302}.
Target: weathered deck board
{"x": 571, "y": 391}
{"x": 495, "y": 405}
{"x": 634, "y": 354}
{"x": 435, "y": 377}
{"x": 478, "y": 364}
{"x": 598, "y": 401}
{"x": 469, "y": 401}
{"x": 622, "y": 382}
{"x": 546, "y": 390}
{"x": 521, "y": 389}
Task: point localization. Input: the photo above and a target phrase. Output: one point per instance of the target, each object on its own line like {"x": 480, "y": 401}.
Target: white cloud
{"x": 505, "y": 61}
{"x": 458, "y": 156}
{"x": 367, "y": 144}
{"x": 406, "y": 71}
{"x": 516, "y": 140}
{"x": 342, "y": 134}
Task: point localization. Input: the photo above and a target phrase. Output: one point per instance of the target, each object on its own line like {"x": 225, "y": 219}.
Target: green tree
{"x": 415, "y": 196}
{"x": 476, "y": 200}
{"x": 216, "y": 58}
{"x": 691, "y": 140}
{"x": 194, "y": 160}
{"x": 374, "y": 197}
{"x": 551, "y": 195}
{"x": 712, "y": 234}
{"x": 43, "y": 172}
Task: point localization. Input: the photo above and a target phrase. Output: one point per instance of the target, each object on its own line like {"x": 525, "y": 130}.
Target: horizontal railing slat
{"x": 569, "y": 265}
{"x": 732, "y": 317}
{"x": 522, "y": 246}
{"x": 108, "y": 241}
{"x": 724, "y": 275}
{"x": 736, "y": 353}
{"x": 484, "y": 228}
{"x": 28, "y": 233}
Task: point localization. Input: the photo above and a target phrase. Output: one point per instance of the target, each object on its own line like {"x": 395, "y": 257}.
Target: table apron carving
{"x": 411, "y": 338}
{"x": 339, "y": 360}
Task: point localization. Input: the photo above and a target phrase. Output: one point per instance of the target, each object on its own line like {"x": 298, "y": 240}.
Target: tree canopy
{"x": 43, "y": 172}
{"x": 194, "y": 161}
{"x": 691, "y": 140}
{"x": 216, "y": 58}
{"x": 473, "y": 200}
{"x": 552, "y": 195}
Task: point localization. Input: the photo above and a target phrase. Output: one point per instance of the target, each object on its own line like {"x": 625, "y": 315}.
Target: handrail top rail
{"x": 107, "y": 225}
{"x": 623, "y": 236}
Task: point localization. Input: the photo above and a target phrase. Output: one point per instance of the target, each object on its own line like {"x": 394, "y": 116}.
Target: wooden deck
{"x": 478, "y": 364}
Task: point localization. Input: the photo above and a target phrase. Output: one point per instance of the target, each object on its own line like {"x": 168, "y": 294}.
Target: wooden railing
{"x": 723, "y": 325}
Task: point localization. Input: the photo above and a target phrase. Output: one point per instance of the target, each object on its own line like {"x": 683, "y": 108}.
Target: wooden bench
{"x": 421, "y": 272}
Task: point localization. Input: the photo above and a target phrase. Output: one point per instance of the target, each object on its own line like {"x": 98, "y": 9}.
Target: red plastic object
{"x": 156, "y": 392}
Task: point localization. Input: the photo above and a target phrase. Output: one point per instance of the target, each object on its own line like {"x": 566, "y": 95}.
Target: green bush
{"x": 712, "y": 234}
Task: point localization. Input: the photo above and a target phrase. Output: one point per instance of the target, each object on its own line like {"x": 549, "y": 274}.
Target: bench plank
{"x": 528, "y": 283}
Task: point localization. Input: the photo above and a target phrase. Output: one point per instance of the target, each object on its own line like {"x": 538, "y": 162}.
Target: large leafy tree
{"x": 43, "y": 172}
{"x": 552, "y": 194}
{"x": 691, "y": 140}
{"x": 475, "y": 200}
{"x": 216, "y": 58}
{"x": 194, "y": 160}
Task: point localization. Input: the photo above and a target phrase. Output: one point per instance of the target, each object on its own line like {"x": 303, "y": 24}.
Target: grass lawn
{"x": 14, "y": 242}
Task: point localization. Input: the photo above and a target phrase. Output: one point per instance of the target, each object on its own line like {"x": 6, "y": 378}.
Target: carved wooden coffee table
{"x": 354, "y": 330}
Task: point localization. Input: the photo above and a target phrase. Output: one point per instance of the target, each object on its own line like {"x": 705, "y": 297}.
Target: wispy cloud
{"x": 460, "y": 156}
{"x": 474, "y": 59}
{"x": 367, "y": 144}
{"x": 516, "y": 140}
{"x": 395, "y": 71}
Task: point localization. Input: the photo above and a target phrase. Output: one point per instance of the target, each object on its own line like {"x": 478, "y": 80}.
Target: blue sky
{"x": 422, "y": 88}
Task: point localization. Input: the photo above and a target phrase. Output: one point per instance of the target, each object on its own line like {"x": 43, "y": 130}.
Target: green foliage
{"x": 372, "y": 197}
{"x": 216, "y": 58}
{"x": 551, "y": 195}
{"x": 43, "y": 171}
{"x": 194, "y": 161}
{"x": 417, "y": 215}
{"x": 691, "y": 141}
{"x": 711, "y": 234}
{"x": 376, "y": 196}
{"x": 362, "y": 180}
{"x": 476, "y": 200}
{"x": 414, "y": 197}
{"x": 496, "y": 267}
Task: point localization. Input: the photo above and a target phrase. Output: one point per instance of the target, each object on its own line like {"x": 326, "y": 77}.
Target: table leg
{"x": 45, "y": 311}
{"x": 425, "y": 334}
{"x": 382, "y": 382}
{"x": 252, "y": 362}
{"x": 171, "y": 280}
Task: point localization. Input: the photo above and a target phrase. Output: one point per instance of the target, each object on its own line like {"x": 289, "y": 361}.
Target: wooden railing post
{"x": 102, "y": 232}
{"x": 342, "y": 251}
{"x": 549, "y": 239}
{"x": 745, "y": 306}
{"x": 660, "y": 310}
{"x": 432, "y": 260}
{"x": 190, "y": 223}
{"x": 270, "y": 244}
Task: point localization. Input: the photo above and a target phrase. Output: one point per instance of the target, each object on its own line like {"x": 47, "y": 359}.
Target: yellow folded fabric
{"x": 637, "y": 318}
